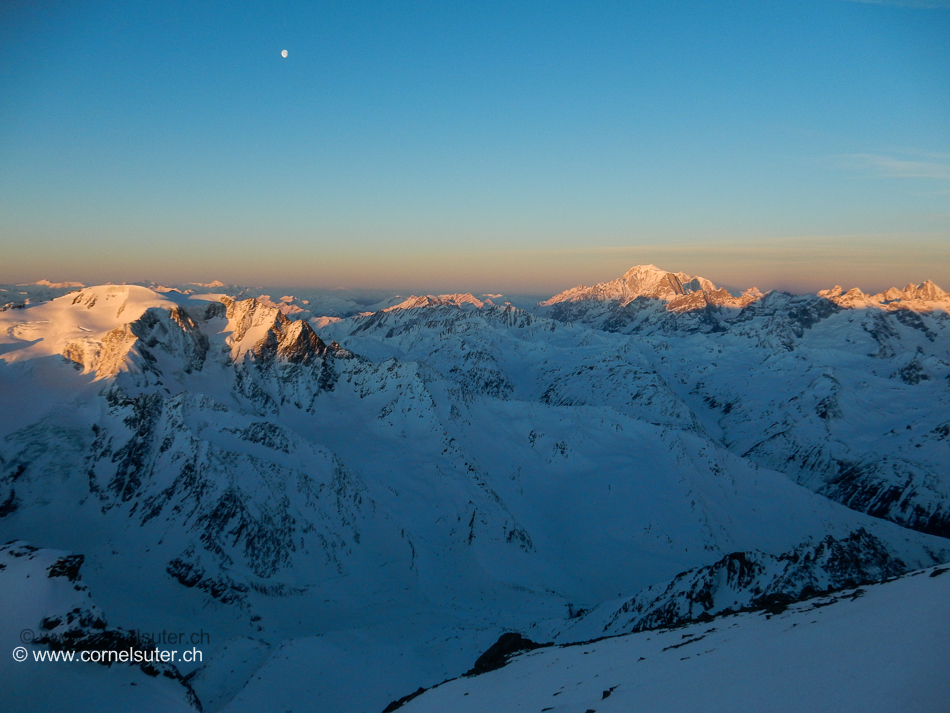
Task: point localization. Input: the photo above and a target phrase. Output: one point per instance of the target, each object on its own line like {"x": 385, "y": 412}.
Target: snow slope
{"x": 879, "y": 648}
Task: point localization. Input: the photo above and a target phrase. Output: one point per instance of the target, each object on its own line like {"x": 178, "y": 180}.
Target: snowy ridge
{"x": 647, "y": 299}
{"x": 926, "y": 296}
{"x": 748, "y": 580}
{"x": 457, "y": 300}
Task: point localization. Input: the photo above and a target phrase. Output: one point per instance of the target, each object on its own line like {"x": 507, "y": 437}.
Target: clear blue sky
{"x": 486, "y": 146}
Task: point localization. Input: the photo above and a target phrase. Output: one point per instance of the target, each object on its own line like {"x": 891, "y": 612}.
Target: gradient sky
{"x": 487, "y": 146}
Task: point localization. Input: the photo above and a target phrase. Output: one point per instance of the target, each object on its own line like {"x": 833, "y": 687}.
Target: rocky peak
{"x": 925, "y": 292}
{"x": 264, "y": 331}
{"x": 293, "y": 342}
{"x": 243, "y": 315}
{"x": 832, "y": 292}
{"x": 852, "y": 298}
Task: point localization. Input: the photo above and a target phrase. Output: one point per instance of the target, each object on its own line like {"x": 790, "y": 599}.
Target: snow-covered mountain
{"x": 677, "y": 291}
{"x": 846, "y": 393}
{"x": 380, "y": 498}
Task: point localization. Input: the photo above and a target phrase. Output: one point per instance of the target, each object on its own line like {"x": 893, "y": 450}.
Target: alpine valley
{"x": 347, "y": 498}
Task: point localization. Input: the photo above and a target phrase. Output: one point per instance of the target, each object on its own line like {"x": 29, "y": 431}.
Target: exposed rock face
{"x": 276, "y": 360}
{"x": 742, "y": 580}
{"x": 249, "y": 490}
{"x": 174, "y": 332}
{"x": 498, "y": 653}
{"x": 925, "y": 292}
{"x": 245, "y": 505}
{"x": 292, "y": 342}
{"x": 894, "y": 489}
{"x": 104, "y": 357}
{"x": 244, "y": 493}
{"x": 245, "y": 315}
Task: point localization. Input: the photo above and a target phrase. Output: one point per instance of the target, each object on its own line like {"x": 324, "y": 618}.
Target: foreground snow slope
{"x": 880, "y": 648}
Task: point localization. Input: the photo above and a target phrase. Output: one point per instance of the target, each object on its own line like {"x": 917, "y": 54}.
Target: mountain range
{"x": 354, "y": 496}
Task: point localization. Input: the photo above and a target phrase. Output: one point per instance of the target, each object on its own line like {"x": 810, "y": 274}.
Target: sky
{"x": 519, "y": 146}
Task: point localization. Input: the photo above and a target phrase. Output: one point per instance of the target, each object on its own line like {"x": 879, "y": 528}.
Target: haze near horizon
{"x": 484, "y": 148}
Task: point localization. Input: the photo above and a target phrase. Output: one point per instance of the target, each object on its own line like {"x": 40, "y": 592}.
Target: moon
{"x": 284, "y": 53}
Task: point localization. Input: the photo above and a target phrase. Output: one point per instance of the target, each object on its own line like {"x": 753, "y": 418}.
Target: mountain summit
{"x": 638, "y": 281}
{"x": 643, "y": 287}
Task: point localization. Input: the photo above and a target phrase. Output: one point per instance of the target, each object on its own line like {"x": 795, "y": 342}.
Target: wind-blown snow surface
{"x": 881, "y": 648}
{"x": 365, "y": 511}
